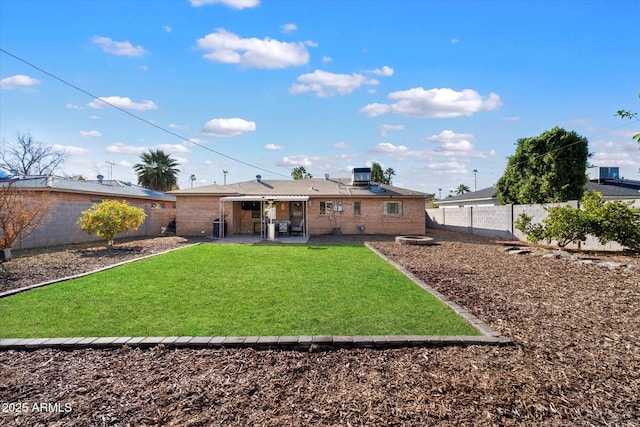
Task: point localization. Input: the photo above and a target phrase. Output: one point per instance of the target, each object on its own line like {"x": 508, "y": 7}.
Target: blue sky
{"x": 433, "y": 89}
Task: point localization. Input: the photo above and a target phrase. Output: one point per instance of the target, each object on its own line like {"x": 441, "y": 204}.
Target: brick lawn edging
{"x": 303, "y": 342}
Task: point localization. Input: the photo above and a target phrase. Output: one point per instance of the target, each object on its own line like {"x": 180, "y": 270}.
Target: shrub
{"x": 614, "y": 221}
{"x": 109, "y": 218}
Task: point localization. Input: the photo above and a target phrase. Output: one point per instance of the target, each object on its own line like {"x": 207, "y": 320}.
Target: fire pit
{"x": 415, "y": 240}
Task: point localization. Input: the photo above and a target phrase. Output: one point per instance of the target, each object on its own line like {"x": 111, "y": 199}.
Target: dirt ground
{"x": 576, "y": 359}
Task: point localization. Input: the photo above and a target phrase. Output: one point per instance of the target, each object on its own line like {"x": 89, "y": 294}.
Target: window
{"x": 326, "y": 208}
{"x": 255, "y": 214}
{"x": 393, "y": 208}
{"x": 157, "y": 205}
{"x": 356, "y": 208}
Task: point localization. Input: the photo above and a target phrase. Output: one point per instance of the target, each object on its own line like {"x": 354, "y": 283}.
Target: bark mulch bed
{"x": 576, "y": 360}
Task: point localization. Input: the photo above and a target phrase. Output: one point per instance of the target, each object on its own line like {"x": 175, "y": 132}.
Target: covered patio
{"x": 273, "y": 217}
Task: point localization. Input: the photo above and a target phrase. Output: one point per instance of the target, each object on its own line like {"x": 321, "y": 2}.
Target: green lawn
{"x": 244, "y": 290}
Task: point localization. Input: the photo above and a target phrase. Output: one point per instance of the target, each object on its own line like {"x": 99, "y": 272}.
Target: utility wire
{"x": 135, "y": 116}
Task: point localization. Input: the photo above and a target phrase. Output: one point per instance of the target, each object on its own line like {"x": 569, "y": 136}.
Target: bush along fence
{"x": 498, "y": 221}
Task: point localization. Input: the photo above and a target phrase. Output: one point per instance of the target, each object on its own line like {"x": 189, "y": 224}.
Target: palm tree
{"x": 462, "y": 189}
{"x": 157, "y": 171}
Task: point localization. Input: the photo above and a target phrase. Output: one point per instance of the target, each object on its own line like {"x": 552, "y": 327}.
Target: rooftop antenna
{"x": 224, "y": 171}
{"x": 111, "y": 164}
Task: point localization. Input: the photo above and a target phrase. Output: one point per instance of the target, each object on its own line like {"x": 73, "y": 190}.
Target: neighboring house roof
{"x": 111, "y": 188}
{"x": 484, "y": 196}
{"x": 610, "y": 190}
{"x": 312, "y": 187}
{"x": 616, "y": 189}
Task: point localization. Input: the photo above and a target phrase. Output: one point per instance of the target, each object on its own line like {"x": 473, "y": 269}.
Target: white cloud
{"x": 93, "y": 117}
{"x": 326, "y": 84}
{"x": 19, "y": 80}
{"x": 90, "y": 133}
{"x": 225, "y": 128}
{"x": 288, "y": 28}
{"x": 70, "y": 149}
{"x": 273, "y": 147}
{"x": 118, "y": 48}
{"x": 226, "y": 47}
{"x": 122, "y": 102}
{"x": 326, "y": 59}
{"x": 173, "y": 148}
{"x": 235, "y": 4}
{"x": 299, "y": 160}
{"x": 340, "y": 145}
{"x": 176, "y": 126}
{"x": 71, "y": 106}
{"x": 455, "y": 41}
{"x": 434, "y": 103}
{"x": 511, "y": 119}
{"x": 167, "y": 28}
{"x": 120, "y": 148}
{"x": 384, "y": 129}
{"x": 385, "y": 71}
{"x": 448, "y": 167}
{"x": 451, "y": 141}
{"x": 394, "y": 151}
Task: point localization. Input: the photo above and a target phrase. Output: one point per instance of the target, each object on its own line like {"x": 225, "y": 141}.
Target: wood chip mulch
{"x": 576, "y": 360}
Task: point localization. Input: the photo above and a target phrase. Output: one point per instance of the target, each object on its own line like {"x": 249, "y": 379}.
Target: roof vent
{"x": 100, "y": 179}
{"x": 361, "y": 176}
{"x": 326, "y": 176}
{"x": 258, "y": 178}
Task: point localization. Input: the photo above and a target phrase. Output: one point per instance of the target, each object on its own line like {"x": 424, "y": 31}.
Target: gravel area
{"x": 576, "y": 358}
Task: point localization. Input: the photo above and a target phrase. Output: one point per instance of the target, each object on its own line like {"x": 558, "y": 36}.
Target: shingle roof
{"x": 107, "y": 188}
{"x": 302, "y": 187}
{"x": 616, "y": 189}
{"x": 474, "y": 196}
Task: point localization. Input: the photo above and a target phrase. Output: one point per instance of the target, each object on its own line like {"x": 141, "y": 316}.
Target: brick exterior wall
{"x": 195, "y": 215}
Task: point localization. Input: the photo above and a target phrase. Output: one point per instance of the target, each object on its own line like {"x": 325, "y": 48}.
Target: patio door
{"x": 297, "y": 210}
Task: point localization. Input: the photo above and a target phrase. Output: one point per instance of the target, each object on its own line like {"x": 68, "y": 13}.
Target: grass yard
{"x": 244, "y": 290}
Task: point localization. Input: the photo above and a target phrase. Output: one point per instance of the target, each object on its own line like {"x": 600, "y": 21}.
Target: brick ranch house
{"x": 72, "y": 197}
{"x": 307, "y": 207}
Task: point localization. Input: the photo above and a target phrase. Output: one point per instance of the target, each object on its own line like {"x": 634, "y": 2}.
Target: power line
{"x": 135, "y": 116}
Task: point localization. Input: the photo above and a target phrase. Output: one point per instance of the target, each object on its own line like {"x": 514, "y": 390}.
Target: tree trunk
{"x": 5, "y": 255}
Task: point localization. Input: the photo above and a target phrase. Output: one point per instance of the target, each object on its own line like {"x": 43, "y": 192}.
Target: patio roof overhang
{"x": 264, "y": 198}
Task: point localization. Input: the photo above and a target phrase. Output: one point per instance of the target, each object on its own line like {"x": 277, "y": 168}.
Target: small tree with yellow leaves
{"x": 111, "y": 217}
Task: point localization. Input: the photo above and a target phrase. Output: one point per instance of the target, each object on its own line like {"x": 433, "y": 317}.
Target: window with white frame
{"x": 326, "y": 208}
{"x": 393, "y": 208}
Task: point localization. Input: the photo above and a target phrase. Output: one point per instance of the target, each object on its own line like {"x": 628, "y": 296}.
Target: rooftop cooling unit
{"x": 361, "y": 176}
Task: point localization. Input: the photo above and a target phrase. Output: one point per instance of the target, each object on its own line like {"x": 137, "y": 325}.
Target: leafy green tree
{"x": 547, "y": 168}
{"x": 157, "y": 171}
{"x": 380, "y": 176}
{"x": 377, "y": 175}
{"x": 462, "y": 189}
{"x": 389, "y": 173}
{"x": 300, "y": 172}
{"x": 111, "y": 217}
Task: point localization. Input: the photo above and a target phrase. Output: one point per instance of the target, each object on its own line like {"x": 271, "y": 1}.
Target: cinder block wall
{"x": 61, "y": 225}
{"x": 497, "y": 221}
